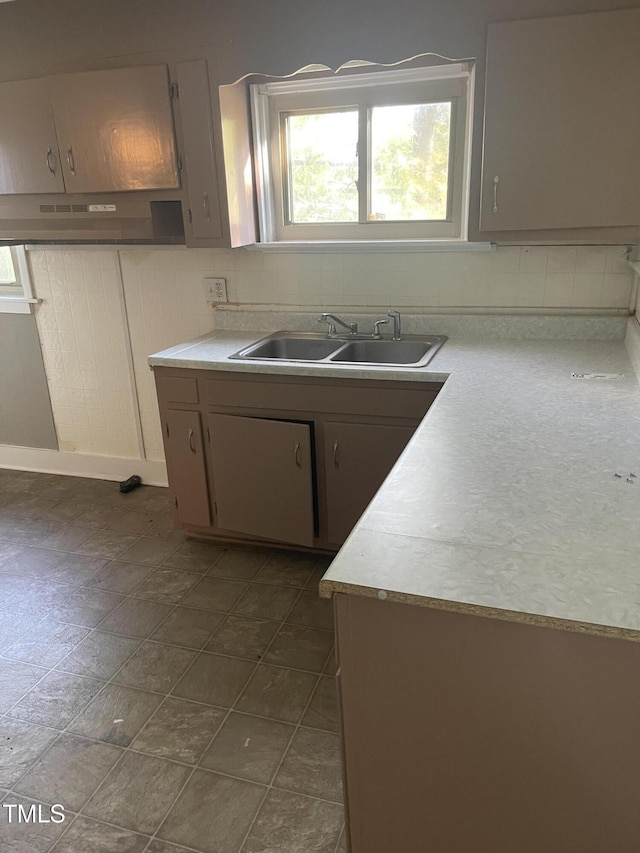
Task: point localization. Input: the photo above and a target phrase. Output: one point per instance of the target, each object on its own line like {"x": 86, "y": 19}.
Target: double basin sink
{"x": 308, "y": 346}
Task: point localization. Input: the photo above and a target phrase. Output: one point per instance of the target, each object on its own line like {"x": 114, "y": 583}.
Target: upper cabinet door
{"x": 562, "y": 122}
{"x": 115, "y": 130}
{"x": 204, "y": 223}
{"x": 29, "y": 161}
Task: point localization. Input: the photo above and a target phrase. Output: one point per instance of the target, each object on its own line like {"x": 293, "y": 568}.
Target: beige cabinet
{"x": 562, "y": 120}
{"x": 29, "y": 161}
{"x": 203, "y": 222}
{"x": 182, "y": 435}
{"x": 262, "y": 478}
{"x": 287, "y": 459}
{"x": 115, "y": 129}
{"x": 358, "y": 457}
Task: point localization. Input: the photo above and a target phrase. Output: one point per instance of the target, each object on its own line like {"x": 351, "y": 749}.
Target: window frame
{"x": 14, "y": 303}
{"x": 432, "y": 84}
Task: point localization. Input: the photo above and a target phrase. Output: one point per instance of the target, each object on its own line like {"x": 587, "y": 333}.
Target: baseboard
{"x": 81, "y": 464}
{"x": 632, "y": 342}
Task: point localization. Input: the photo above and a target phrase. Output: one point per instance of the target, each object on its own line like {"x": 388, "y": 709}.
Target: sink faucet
{"x": 332, "y": 319}
{"x": 397, "y": 325}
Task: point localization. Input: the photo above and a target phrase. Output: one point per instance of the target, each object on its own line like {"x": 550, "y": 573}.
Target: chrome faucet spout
{"x": 397, "y": 324}
{"x": 332, "y": 319}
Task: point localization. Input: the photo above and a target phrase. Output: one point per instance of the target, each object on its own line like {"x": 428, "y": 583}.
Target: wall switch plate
{"x": 215, "y": 289}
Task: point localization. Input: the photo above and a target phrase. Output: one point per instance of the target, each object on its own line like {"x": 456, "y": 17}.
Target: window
{"x": 16, "y": 294}
{"x": 370, "y": 156}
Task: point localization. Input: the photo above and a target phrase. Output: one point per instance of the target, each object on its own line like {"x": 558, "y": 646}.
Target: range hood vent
{"x": 64, "y": 208}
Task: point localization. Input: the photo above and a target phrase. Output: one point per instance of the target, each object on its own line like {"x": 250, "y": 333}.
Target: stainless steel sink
{"x": 411, "y": 351}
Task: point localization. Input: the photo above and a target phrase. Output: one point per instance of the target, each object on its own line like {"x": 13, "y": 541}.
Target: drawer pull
{"x": 496, "y": 181}
{"x": 297, "y": 454}
{"x": 50, "y": 164}
{"x": 71, "y": 160}
{"x": 191, "y": 444}
{"x": 336, "y": 463}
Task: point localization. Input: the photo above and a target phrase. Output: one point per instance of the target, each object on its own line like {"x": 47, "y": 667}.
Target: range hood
{"x": 141, "y": 217}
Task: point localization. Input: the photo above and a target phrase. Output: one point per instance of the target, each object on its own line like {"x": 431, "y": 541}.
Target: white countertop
{"x": 505, "y": 503}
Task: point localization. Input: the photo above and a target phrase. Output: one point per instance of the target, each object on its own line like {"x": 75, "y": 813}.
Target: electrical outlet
{"x": 215, "y": 289}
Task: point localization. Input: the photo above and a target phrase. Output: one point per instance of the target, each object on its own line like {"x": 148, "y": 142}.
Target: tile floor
{"x": 172, "y": 695}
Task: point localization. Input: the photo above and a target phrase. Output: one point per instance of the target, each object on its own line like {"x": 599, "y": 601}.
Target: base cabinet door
{"x": 358, "y": 457}
{"x": 262, "y": 477}
{"x": 182, "y": 433}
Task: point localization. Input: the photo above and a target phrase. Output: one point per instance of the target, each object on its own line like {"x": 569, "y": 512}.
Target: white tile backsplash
{"x": 84, "y": 335}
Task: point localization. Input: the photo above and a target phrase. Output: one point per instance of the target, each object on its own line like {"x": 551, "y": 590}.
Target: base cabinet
{"x": 288, "y": 460}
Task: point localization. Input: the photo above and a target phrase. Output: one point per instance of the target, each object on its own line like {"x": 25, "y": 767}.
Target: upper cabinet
{"x": 115, "y": 130}
{"x": 97, "y": 131}
{"x": 562, "y": 122}
{"x": 29, "y": 160}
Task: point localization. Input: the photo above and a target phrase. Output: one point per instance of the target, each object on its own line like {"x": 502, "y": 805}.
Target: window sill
{"x": 370, "y": 246}
{"x": 17, "y": 305}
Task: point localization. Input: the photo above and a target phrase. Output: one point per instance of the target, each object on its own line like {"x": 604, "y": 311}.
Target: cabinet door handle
{"x": 191, "y": 444}
{"x": 50, "y": 165}
{"x": 206, "y": 205}
{"x": 297, "y": 454}
{"x": 335, "y": 455}
{"x": 496, "y": 181}
{"x": 70, "y": 160}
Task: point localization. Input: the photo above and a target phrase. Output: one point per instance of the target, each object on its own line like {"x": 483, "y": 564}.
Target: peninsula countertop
{"x": 517, "y": 498}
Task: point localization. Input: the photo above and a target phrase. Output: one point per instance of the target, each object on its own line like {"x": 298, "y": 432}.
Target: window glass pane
{"x": 322, "y": 166}
{"x": 410, "y": 161}
{"x": 7, "y": 275}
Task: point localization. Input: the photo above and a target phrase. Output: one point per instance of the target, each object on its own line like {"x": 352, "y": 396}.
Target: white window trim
{"x": 20, "y": 304}
{"x": 400, "y": 233}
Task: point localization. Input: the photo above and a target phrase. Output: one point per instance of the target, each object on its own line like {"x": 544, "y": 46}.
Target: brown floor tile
{"x": 87, "y": 607}
{"x": 100, "y": 655}
{"x": 248, "y": 747}
{"x": 239, "y": 564}
{"x": 46, "y": 643}
{"x": 215, "y": 680}
{"x": 138, "y": 792}
{"x": 168, "y": 585}
{"x": 136, "y": 617}
{"x": 67, "y": 538}
{"x": 20, "y": 744}
{"x": 288, "y": 569}
{"x": 300, "y": 648}
{"x": 9, "y": 550}
{"x": 89, "y": 836}
{"x": 138, "y": 521}
{"x": 120, "y": 577}
{"x": 332, "y": 664}
{"x": 164, "y": 847}
{"x": 156, "y": 667}
{"x": 290, "y": 823}
{"x": 23, "y": 837}
{"x": 313, "y": 765}
{"x": 16, "y": 679}
{"x": 98, "y": 518}
{"x": 76, "y": 568}
{"x": 214, "y": 594}
{"x": 266, "y": 601}
{"x": 322, "y": 712}
{"x": 116, "y": 715}
{"x": 180, "y": 730}
{"x": 33, "y": 562}
{"x": 188, "y": 627}
{"x": 148, "y": 551}
{"x": 69, "y": 771}
{"x": 242, "y": 637}
{"x": 13, "y": 625}
{"x": 30, "y": 531}
{"x": 280, "y": 694}
{"x": 191, "y": 821}
{"x": 194, "y": 556}
{"x": 107, "y": 544}
{"x": 311, "y": 611}
{"x": 165, "y": 529}
{"x": 56, "y": 699}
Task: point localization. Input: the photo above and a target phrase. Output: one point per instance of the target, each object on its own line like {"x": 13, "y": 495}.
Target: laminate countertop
{"x": 517, "y": 498}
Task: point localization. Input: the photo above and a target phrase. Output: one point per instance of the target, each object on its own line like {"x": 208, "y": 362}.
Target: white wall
{"x": 84, "y": 331}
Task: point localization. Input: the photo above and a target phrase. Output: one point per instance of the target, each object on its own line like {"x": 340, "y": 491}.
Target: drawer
{"x": 177, "y": 389}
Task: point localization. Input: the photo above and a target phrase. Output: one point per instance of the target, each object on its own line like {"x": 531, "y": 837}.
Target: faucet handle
{"x": 375, "y": 332}
{"x": 397, "y": 324}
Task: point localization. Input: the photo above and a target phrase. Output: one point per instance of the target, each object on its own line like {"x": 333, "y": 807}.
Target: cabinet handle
{"x": 496, "y": 181}
{"x": 50, "y": 165}
{"x": 335, "y": 455}
{"x": 205, "y": 205}
{"x": 191, "y": 444}
{"x": 297, "y": 454}
{"x": 71, "y": 161}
